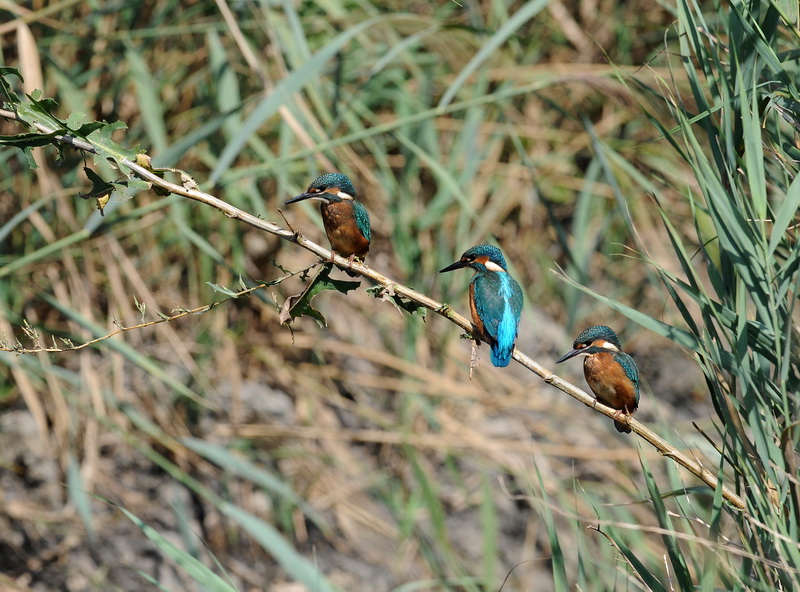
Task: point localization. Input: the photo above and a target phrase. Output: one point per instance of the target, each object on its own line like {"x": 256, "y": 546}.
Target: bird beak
{"x": 570, "y": 354}
{"x": 457, "y": 265}
{"x": 300, "y": 197}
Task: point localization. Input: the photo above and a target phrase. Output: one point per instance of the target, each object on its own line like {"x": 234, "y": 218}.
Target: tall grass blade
{"x": 194, "y": 568}
{"x": 298, "y": 567}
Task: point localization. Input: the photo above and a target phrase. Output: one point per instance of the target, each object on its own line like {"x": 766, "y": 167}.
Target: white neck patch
{"x": 344, "y": 195}
{"x": 492, "y": 266}
{"x": 608, "y": 345}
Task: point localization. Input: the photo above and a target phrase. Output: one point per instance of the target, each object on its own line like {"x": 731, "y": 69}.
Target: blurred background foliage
{"x": 648, "y": 150}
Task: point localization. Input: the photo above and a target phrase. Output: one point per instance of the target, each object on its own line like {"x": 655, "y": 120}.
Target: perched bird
{"x": 611, "y": 373}
{"x": 495, "y": 299}
{"x": 346, "y": 220}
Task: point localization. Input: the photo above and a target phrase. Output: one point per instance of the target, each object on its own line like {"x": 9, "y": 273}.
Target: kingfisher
{"x": 611, "y": 373}
{"x": 345, "y": 218}
{"x": 495, "y": 299}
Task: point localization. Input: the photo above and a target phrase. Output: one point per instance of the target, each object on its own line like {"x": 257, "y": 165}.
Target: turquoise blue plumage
{"x": 495, "y": 300}
{"x": 362, "y": 219}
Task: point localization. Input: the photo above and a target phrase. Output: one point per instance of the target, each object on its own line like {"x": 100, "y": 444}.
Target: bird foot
{"x": 622, "y": 416}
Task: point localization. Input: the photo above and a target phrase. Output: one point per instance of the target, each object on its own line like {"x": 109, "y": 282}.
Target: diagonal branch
{"x": 662, "y": 446}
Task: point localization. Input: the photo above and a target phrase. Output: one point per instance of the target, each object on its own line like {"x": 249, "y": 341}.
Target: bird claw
{"x": 622, "y": 416}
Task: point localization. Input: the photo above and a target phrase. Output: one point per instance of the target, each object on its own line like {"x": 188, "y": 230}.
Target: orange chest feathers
{"x": 476, "y": 318}
{"x": 342, "y": 230}
{"x": 609, "y": 382}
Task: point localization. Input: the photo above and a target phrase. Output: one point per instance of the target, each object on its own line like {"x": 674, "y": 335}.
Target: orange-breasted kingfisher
{"x": 495, "y": 300}
{"x": 345, "y": 218}
{"x": 611, "y": 373}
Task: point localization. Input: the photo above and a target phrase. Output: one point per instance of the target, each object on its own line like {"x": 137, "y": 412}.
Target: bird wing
{"x": 631, "y": 370}
{"x": 497, "y": 296}
{"x": 362, "y": 218}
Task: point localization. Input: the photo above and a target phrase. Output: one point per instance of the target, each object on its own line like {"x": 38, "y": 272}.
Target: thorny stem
{"x": 662, "y": 446}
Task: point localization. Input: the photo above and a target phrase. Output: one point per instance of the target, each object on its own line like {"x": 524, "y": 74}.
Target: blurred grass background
{"x": 616, "y": 141}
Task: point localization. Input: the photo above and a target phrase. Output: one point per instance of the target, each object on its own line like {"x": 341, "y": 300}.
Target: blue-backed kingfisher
{"x": 345, "y": 218}
{"x": 611, "y": 373}
{"x": 495, "y": 300}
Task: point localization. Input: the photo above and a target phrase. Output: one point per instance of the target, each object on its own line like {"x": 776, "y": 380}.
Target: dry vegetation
{"x": 363, "y": 445}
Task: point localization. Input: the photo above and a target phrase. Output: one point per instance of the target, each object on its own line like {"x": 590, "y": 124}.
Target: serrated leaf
{"x": 75, "y": 119}
{"x": 43, "y": 110}
{"x": 87, "y": 128}
{"x": 300, "y": 305}
{"x": 28, "y": 140}
{"x": 101, "y": 190}
{"x": 100, "y": 186}
{"x": 5, "y": 87}
{"x": 108, "y": 148}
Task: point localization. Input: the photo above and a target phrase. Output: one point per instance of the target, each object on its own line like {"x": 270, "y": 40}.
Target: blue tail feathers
{"x": 501, "y": 356}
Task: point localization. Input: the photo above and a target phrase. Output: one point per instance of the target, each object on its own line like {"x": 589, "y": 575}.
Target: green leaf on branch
{"x": 41, "y": 111}
{"x": 388, "y": 295}
{"x": 24, "y": 141}
{"x": 99, "y": 185}
{"x": 101, "y": 189}
{"x": 79, "y": 125}
{"x": 5, "y": 87}
{"x": 108, "y": 148}
{"x": 38, "y": 112}
{"x": 300, "y": 305}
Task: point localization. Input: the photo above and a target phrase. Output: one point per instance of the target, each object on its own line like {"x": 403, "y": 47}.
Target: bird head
{"x": 480, "y": 258}
{"x": 330, "y": 187}
{"x": 594, "y": 340}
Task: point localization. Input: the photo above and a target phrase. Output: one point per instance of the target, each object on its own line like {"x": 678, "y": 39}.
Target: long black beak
{"x": 570, "y": 354}
{"x": 457, "y": 265}
{"x": 300, "y": 197}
